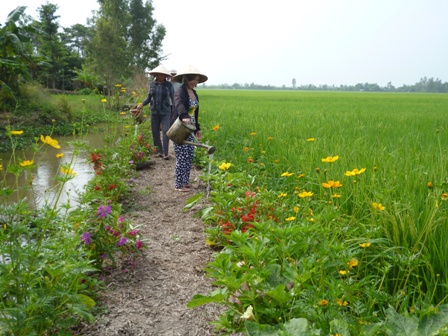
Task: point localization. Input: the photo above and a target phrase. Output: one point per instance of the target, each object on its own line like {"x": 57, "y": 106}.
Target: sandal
{"x": 188, "y": 186}
{"x": 166, "y": 157}
{"x": 182, "y": 190}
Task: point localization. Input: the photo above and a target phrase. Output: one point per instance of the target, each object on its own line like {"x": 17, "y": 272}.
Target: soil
{"x": 149, "y": 296}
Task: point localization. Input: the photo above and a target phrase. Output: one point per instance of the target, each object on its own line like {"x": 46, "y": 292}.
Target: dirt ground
{"x": 151, "y": 298}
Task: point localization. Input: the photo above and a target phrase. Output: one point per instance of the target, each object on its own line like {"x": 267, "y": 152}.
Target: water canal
{"x": 44, "y": 188}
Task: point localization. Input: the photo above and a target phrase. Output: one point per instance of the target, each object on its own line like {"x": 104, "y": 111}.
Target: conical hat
{"x": 190, "y": 70}
{"x": 160, "y": 70}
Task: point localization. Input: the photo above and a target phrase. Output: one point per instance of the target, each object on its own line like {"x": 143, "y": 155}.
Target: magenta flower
{"x": 120, "y": 219}
{"x": 86, "y": 237}
{"x": 122, "y": 241}
{"x": 104, "y": 210}
{"x": 138, "y": 244}
{"x": 133, "y": 233}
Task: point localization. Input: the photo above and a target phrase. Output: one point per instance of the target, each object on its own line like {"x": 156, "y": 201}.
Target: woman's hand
{"x": 186, "y": 120}
{"x": 139, "y": 106}
{"x": 199, "y": 135}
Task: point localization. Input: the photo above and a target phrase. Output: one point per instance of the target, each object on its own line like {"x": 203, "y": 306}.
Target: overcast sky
{"x": 313, "y": 41}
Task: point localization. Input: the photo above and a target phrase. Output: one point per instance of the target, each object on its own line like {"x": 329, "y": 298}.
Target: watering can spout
{"x": 210, "y": 149}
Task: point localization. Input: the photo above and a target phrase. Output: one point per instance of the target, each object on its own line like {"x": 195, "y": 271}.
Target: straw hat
{"x": 190, "y": 70}
{"x": 160, "y": 70}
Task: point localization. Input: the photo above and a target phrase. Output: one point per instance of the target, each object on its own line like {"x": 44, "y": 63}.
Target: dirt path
{"x": 150, "y": 298}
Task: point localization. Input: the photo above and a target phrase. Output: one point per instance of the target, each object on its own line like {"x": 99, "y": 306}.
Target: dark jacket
{"x": 160, "y": 97}
{"x": 182, "y": 104}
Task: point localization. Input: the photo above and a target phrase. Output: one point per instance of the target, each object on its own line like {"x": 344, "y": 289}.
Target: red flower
{"x": 247, "y": 218}
{"x": 95, "y": 157}
{"x": 97, "y": 188}
{"x": 112, "y": 186}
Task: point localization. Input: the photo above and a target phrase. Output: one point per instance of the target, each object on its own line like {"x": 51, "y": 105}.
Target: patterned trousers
{"x": 184, "y": 162}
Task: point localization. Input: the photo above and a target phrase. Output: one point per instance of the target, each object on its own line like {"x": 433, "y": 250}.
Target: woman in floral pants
{"x": 186, "y": 108}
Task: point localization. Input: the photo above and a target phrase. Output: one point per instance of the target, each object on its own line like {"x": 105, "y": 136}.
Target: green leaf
{"x": 339, "y": 327}
{"x": 255, "y": 329}
{"x": 432, "y": 324}
{"x": 192, "y": 201}
{"x": 199, "y": 300}
{"x": 86, "y": 300}
{"x": 299, "y": 326}
{"x": 401, "y": 325}
{"x": 279, "y": 294}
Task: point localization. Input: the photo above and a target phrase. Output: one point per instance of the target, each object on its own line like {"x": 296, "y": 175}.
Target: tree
{"x": 293, "y": 83}
{"x": 50, "y": 46}
{"x": 16, "y": 57}
{"x": 145, "y": 36}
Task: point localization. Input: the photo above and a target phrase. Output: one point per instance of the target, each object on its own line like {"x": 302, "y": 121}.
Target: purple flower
{"x": 86, "y": 237}
{"x": 138, "y": 244}
{"x": 104, "y": 210}
{"x": 122, "y": 241}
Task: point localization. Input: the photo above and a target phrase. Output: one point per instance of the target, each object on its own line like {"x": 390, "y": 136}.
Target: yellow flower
{"x": 253, "y": 134}
{"x": 291, "y": 218}
{"x": 282, "y": 195}
{"x": 117, "y": 85}
{"x": 246, "y": 149}
{"x": 1, "y": 167}
{"x": 342, "y": 303}
{"x": 127, "y": 126}
{"x": 323, "y": 302}
{"x": 287, "y": 174}
{"x": 300, "y": 175}
{"x": 352, "y": 263}
{"x": 59, "y": 155}
{"x": 216, "y": 128}
{"x": 134, "y": 93}
{"x": 296, "y": 209}
{"x": 330, "y": 159}
{"x": 310, "y": 139}
{"x": 68, "y": 171}
{"x": 355, "y": 172}
{"x": 444, "y": 196}
{"x": 122, "y": 112}
{"x": 225, "y": 165}
{"x": 364, "y": 245}
{"x": 16, "y": 132}
{"x": 429, "y": 185}
{"x": 270, "y": 138}
{"x": 343, "y": 272}
{"x": 305, "y": 194}
{"x": 378, "y": 206}
{"x": 248, "y": 314}
{"x": 123, "y": 90}
{"x": 49, "y": 141}
{"x": 26, "y": 163}
{"x": 332, "y": 184}
{"x": 336, "y": 195}
{"x": 104, "y": 100}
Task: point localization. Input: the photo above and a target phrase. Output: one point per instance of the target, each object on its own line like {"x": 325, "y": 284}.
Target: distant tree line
{"x": 424, "y": 85}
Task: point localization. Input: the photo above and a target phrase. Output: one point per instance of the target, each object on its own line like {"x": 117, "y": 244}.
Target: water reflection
{"x": 45, "y": 188}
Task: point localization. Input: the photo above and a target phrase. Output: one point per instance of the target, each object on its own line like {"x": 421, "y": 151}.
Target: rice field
{"x": 375, "y": 163}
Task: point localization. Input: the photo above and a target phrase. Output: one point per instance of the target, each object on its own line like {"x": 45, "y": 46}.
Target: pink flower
{"x": 138, "y": 244}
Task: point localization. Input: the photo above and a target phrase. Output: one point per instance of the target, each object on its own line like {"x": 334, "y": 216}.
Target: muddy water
{"x": 44, "y": 188}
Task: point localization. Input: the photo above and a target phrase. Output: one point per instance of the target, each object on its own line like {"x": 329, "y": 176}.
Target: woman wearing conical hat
{"x": 186, "y": 108}
{"x": 160, "y": 97}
